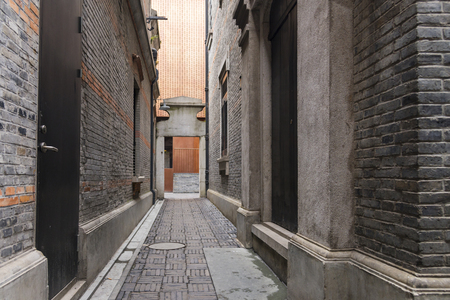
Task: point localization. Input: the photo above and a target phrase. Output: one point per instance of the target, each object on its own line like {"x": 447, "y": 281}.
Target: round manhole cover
{"x": 167, "y": 246}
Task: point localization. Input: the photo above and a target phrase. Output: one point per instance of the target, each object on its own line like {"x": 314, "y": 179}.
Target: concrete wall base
{"x": 245, "y": 220}
{"x": 25, "y": 277}
{"x": 275, "y": 261}
{"x": 315, "y": 272}
{"x": 271, "y": 242}
{"x": 100, "y": 238}
{"x": 227, "y": 205}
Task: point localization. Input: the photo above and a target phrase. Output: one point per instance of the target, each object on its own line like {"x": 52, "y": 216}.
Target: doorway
{"x": 181, "y": 162}
{"x": 58, "y": 155}
{"x": 283, "y": 36}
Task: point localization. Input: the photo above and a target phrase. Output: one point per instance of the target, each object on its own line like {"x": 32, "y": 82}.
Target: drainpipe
{"x": 152, "y": 129}
{"x": 206, "y": 95}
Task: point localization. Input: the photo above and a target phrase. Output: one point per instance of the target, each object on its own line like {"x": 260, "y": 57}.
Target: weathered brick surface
{"x": 225, "y": 49}
{"x": 402, "y": 95}
{"x": 19, "y": 51}
{"x": 181, "y": 273}
{"x": 109, "y": 40}
{"x": 186, "y": 183}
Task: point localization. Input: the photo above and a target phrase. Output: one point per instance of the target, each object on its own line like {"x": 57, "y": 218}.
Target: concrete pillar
{"x": 202, "y": 166}
{"x": 325, "y": 148}
{"x": 266, "y": 126}
{"x": 325, "y": 127}
{"x": 160, "y": 167}
{"x": 249, "y": 213}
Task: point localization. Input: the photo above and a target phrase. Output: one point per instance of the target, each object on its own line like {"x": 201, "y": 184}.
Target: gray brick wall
{"x": 108, "y": 41}
{"x": 225, "y": 44}
{"x": 18, "y": 108}
{"x": 402, "y": 100}
{"x": 186, "y": 183}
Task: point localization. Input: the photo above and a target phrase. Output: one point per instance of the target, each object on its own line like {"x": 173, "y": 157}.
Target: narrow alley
{"x": 232, "y": 150}
{"x": 183, "y": 257}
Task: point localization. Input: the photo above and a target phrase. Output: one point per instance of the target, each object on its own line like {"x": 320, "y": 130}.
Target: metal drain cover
{"x": 167, "y": 246}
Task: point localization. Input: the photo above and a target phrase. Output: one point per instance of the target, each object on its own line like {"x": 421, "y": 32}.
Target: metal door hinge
{"x": 80, "y": 25}
{"x": 78, "y": 242}
{"x": 79, "y": 73}
{"x": 206, "y": 89}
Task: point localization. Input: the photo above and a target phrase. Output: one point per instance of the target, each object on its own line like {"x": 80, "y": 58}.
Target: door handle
{"x": 44, "y": 148}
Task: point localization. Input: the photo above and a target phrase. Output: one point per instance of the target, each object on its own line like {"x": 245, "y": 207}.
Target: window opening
{"x": 224, "y": 112}
{"x": 136, "y": 132}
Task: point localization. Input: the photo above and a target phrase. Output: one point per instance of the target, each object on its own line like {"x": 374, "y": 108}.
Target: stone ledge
{"x": 110, "y": 229}
{"x": 273, "y": 236}
{"x": 24, "y": 277}
{"x": 386, "y": 273}
{"x": 228, "y": 206}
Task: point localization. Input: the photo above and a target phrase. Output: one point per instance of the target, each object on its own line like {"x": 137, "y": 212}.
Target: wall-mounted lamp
{"x": 151, "y": 18}
{"x": 164, "y": 106}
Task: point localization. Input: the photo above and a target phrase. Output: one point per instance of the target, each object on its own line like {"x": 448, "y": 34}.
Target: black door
{"x": 283, "y": 36}
{"x": 59, "y": 127}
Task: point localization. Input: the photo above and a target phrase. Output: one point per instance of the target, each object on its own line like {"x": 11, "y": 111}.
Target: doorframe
{"x": 182, "y": 122}
{"x": 265, "y": 87}
{"x": 160, "y": 170}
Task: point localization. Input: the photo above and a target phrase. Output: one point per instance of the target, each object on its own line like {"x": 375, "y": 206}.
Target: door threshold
{"x": 72, "y": 291}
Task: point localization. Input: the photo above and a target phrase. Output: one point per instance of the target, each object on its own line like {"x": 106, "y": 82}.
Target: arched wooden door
{"x": 283, "y": 36}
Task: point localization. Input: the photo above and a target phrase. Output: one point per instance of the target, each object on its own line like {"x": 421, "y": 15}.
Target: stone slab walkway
{"x": 182, "y": 273}
{"x": 209, "y": 265}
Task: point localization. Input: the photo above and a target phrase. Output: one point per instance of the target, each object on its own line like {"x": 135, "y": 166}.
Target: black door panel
{"x": 284, "y": 114}
{"x": 59, "y": 111}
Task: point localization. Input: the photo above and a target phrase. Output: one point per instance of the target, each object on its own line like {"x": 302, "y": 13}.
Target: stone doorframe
{"x": 182, "y": 122}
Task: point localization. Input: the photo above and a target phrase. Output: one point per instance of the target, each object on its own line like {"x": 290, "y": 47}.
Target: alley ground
{"x": 211, "y": 264}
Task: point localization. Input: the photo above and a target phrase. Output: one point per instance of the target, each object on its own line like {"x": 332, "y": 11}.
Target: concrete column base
{"x": 315, "y": 272}
{"x": 25, "y": 277}
{"x": 244, "y": 221}
{"x": 202, "y": 167}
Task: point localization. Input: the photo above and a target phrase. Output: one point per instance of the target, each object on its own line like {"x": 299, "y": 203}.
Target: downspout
{"x": 207, "y": 95}
{"x": 152, "y": 129}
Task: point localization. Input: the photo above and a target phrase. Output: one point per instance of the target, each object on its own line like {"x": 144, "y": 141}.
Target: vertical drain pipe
{"x": 152, "y": 126}
{"x": 152, "y": 129}
{"x": 207, "y": 94}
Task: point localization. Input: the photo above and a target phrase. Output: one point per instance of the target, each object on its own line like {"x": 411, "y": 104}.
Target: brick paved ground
{"x": 183, "y": 273}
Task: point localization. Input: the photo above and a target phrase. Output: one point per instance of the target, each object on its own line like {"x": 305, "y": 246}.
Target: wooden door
{"x": 186, "y": 154}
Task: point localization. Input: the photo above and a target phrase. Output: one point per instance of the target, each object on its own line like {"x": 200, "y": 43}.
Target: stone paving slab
{"x": 241, "y": 274}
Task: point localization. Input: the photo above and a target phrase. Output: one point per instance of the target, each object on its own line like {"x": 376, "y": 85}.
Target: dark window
{"x": 224, "y": 110}
{"x": 168, "y": 152}
{"x": 136, "y": 132}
